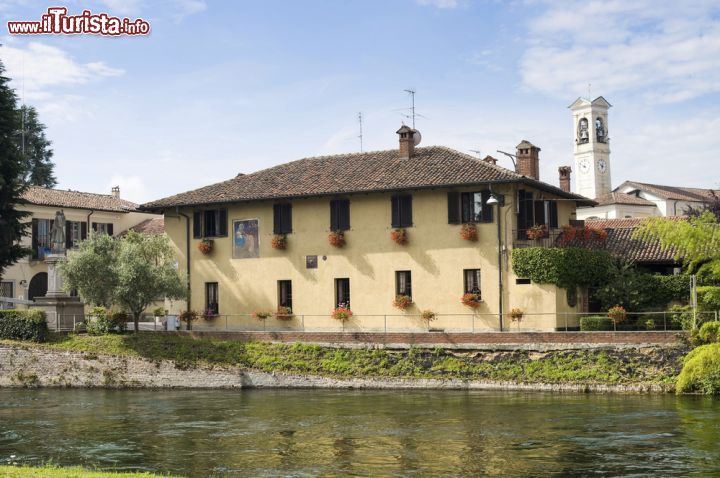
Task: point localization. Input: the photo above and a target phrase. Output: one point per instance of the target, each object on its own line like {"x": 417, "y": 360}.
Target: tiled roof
{"x": 76, "y": 199}
{"x": 432, "y": 166}
{"x": 671, "y": 192}
{"x": 622, "y": 198}
{"x": 620, "y": 242}
{"x": 154, "y": 225}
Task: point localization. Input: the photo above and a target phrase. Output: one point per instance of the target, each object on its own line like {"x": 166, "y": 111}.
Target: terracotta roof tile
{"x": 76, "y": 199}
{"x": 622, "y": 198}
{"x": 154, "y": 225}
{"x": 432, "y": 166}
{"x": 672, "y": 192}
{"x": 620, "y": 242}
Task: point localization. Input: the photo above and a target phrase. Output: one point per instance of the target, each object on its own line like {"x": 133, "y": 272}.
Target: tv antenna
{"x": 361, "y": 133}
{"x": 509, "y": 155}
{"x": 413, "y": 114}
{"x": 476, "y": 151}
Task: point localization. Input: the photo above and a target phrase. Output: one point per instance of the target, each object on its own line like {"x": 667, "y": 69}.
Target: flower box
{"x": 206, "y": 246}
{"x": 341, "y": 313}
{"x": 537, "y": 232}
{"x": 279, "y": 241}
{"x": 399, "y": 236}
{"x": 284, "y": 313}
{"x": 402, "y": 302}
{"x": 337, "y": 238}
{"x": 471, "y": 300}
{"x": 469, "y": 232}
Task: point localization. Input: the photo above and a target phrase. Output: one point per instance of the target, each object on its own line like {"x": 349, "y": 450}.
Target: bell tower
{"x": 592, "y": 147}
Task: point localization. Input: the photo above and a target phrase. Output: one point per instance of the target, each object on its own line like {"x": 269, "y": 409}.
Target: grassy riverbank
{"x": 607, "y": 367}
{"x": 56, "y": 472}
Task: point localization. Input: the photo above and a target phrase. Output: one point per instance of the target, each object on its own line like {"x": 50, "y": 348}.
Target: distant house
{"x": 85, "y": 212}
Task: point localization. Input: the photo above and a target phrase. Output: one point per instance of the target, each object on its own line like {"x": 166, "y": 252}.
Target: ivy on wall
{"x": 566, "y": 267}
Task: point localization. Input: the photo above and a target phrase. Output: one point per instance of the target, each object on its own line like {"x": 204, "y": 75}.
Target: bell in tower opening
{"x": 583, "y": 136}
{"x": 599, "y": 130}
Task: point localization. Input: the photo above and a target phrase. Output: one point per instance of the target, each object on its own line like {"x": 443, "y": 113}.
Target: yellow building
{"x": 104, "y": 213}
{"x": 430, "y": 194}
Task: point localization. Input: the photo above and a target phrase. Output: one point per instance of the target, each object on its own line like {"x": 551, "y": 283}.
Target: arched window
{"x": 599, "y": 130}
{"x": 583, "y": 134}
{"x": 38, "y": 286}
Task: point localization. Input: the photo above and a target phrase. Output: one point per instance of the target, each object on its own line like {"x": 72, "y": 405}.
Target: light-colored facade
{"x": 27, "y": 278}
{"x": 436, "y": 257}
{"x": 592, "y": 147}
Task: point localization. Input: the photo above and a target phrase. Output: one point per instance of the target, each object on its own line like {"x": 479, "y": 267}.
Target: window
{"x": 340, "y": 215}
{"x": 41, "y": 238}
{"x": 342, "y": 293}
{"x": 282, "y": 218}
{"x": 6, "y": 290}
{"x": 402, "y": 211}
{"x": 210, "y": 223}
{"x": 285, "y": 294}
{"x": 103, "y": 228}
{"x": 403, "y": 283}
{"x": 76, "y": 232}
{"x": 472, "y": 281}
{"x": 212, "y": 298}
{"x": 520, "y": 281}
{"x": 532, "y": 212}
{"x": 469, "y": 207}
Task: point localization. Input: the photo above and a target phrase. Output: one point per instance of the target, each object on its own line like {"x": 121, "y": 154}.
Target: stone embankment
{"x": 39, "y": 367}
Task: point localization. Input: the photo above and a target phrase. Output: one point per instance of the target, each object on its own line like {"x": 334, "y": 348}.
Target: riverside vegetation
{"x": 658, "y": 366}
{"x": 57, "y": 472}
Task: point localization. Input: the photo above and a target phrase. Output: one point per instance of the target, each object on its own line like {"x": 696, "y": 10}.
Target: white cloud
{"x": 664, "y": 52}
{"x": 40, "y": 67}
{"x": 123, "y": 7}
{"x": 132, "y": 188}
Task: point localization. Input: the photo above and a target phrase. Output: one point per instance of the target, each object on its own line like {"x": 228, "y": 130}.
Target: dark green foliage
{"x": 565, "y": 267}
{"x": 12, "y": 186}
{"x": 37, "y": 156}
{"x": 596, "y": 322}
{"x": 641, "y": 292}
{"x": 708, "y": 332}
{"x": 23, "y": 325}
{"x": 708, "y": 298}
{"x": 701, "y": 371}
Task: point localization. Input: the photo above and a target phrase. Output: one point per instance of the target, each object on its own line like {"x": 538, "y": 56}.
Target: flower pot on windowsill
{"x": 279, "y": 241}
{"x": 471, "y": 300}
{"x": 337, "y": 239}
{"x": 399, "y": 236}
{"x": 206, "y": 246}
{"x": 210, "y": 315}
{"x": 284, "y": 313}
{"x": 402, "y": 302}
{"x": 537, "y": 232}
{"x": 469, "y": 232}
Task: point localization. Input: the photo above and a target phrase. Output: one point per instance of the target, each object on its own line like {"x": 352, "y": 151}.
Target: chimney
{"x": 490, "y": 159}
{"x": 115, "y": 191}
{"x": 407, "y": 142}
{"x": 528, "y": 160}
{"x": 565, "y": 178}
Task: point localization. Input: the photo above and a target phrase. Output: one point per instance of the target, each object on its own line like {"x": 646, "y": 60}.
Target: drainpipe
{"x": 498, "y": 200}
{"x": 88, "y": 221}
{"x": 187, "y": 252}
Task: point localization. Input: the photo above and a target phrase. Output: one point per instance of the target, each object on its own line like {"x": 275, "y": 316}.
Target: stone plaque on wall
{"x": 311, "y": 262}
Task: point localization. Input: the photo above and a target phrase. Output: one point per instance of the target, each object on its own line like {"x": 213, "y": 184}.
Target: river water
{"x": 363, "y": 433}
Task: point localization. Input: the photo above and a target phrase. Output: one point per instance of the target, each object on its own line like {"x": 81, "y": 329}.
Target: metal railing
{"x": 662, "y": 321}
{"x": 557, "y": 238}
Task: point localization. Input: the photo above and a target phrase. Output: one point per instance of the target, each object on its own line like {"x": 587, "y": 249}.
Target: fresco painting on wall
{"x": 245, "y": 239}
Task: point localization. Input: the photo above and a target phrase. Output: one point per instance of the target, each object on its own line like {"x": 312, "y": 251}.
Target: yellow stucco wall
{"x": 436, "y": 255}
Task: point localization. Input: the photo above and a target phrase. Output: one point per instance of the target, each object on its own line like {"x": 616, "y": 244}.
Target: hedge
{"x": 565, "y": 267}
{"x": 595, "y": 322}
{"x": 23, "y": 325}
{"x": 701, "y": 371}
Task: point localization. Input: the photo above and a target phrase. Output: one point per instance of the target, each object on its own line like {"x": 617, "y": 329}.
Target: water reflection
{"x": 363, "y": 433}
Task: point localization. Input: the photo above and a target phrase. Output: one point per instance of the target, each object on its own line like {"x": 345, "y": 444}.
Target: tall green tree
{"x": 39, "y": 168}
{"x": 696, "y": 241}
{"x": 12, "y": 186}
{"x": 130, "y": 272}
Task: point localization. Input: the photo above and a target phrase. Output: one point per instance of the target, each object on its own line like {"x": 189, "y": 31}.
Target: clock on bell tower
{"x": 592, "y": 146}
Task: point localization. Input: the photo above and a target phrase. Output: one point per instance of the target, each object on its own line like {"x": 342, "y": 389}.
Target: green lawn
{"x": 56, "y": 472}
{"x": 570, "y": 366}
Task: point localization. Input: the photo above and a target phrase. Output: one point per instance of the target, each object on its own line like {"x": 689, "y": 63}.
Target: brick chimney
{"x": 115, "y": 191}
{"x": 407, "y": 142}
{"x": 565, "y": 178}
{"x": 528, "y": 160}
{"x": 490, "y": 159}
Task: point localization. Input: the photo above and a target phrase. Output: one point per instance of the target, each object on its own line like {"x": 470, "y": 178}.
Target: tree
{"x": 713, "y": 206}
{"x": 131, "y": 271}
{"x": 696, "y": 241}
{"x": 36, "y": 150}
{"x": 12, "y": 187}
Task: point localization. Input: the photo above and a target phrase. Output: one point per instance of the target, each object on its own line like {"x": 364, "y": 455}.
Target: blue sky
{"x": 220, "y": 88}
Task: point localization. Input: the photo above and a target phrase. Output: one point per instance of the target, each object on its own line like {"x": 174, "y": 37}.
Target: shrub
{"x": 682, "y": 316}
{"x": 23, "y": 325}
{"x": 159, "y": 312}
{"x": 709, "y": 332}
{"x": 708, "y": 298}
{"x": 188, "y": 316}
{"x": 428, "y": 315}
{"x": 516, "y": 314}
{"x": 261, "y": 314}
{"x": 617, "y": 314}
{"x": 675, "y": 288}
{"x": 595, "y": 322}
{"x": 701, "y": 371}
{"x": 566, "y": 267}
{"x": 402, "y": 302}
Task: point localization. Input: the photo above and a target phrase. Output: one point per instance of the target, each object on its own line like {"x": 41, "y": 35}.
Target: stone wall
{"x": 38, "y": 367}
